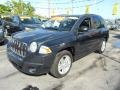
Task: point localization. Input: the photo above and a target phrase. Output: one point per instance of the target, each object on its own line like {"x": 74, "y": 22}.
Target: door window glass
{"x": 86, "y": 24}
{"x": 98, "y": 22}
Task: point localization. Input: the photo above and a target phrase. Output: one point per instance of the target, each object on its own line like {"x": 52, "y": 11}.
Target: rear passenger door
{"x": 98, "y": 27}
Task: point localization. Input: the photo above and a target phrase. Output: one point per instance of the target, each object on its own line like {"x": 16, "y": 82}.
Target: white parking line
{"x": 2, "y": 51}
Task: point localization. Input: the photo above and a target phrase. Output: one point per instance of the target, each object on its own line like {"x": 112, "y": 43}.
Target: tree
{"x": 21, "y": 8}
{"x": 4, "y": 9}
{"x": 29, "y": 9}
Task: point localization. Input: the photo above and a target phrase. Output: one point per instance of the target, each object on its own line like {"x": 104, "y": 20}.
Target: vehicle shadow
{"x": 117, "y": 36}
{"x": 5, "y": 42}
{"x": 9, "y": 75}
{"x": 100, "y": 62}
{"x": 111, "y": 58}
{"x": 117, "y": 86}
{"x": 30, "y": 87}
{"x": 116, "y": 44}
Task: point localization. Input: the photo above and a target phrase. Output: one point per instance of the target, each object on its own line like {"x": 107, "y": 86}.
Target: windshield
{"x": 60, "y": 23}
{"x": 30, "y": 20}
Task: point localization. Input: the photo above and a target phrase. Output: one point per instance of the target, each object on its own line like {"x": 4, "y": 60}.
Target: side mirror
{"x": 83, "y": 29}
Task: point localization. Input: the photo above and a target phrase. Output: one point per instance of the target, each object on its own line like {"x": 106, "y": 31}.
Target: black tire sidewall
{"x": 100, "y": 50}
{"x": 54, "y": 70}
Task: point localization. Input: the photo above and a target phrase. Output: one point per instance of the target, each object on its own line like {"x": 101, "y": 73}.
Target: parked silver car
{"x": 117, "y": 22}
{"x": 111, "y": 25}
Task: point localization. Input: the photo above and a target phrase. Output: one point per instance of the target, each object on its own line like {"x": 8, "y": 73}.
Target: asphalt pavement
{"x": 93, "y": 72}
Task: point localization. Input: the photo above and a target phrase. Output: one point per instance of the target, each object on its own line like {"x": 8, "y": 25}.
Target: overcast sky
{"x": 104, "y": 8}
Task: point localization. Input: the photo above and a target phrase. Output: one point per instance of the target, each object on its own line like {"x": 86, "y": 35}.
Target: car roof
{"x": 65, "y": 15}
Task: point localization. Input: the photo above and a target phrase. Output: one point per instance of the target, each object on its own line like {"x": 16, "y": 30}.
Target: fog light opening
{"x": 32, "y": 70}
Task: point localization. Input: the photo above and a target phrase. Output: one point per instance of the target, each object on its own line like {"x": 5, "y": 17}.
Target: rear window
{"x": 98, "y": 22}
{"x": 9, "y": 19}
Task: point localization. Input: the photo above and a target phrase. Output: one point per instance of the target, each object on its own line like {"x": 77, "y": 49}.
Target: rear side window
{"x": 102, "y": 22}
{"x": 98, "y": 22}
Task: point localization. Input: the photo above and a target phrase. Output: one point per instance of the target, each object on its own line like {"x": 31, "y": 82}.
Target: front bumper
{"x": 33, "y": 64}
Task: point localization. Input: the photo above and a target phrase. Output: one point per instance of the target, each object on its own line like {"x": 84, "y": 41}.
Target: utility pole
{"x": 49, "y": 8}
{"x": 53, "y": 12}
{"x": 72, "y": 6}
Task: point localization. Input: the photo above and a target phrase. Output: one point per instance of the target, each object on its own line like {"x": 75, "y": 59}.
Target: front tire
{"x": 62, "y": 64}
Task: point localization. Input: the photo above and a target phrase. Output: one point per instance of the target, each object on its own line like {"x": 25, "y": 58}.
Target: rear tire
{"x": 62, "y": 64}
{"x": 103, "y": 47}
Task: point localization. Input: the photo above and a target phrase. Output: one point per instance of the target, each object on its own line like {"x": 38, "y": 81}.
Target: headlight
{"x": 7, "y": 26}
{"x": 44, "y": 50}
{"x": 28, "y": 29}
{"x": 33, "y": 47}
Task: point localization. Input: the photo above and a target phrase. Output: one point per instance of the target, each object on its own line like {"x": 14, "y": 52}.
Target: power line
{"x": 91, "y": 4}
{"x": 76, "y": 1}
{"x": 62, "y": 2}
{"x": 74, "y": 7}
{"x": 70, "y": 5}
{"x": 49, "y": 8}
{"x": 50, "y": 2}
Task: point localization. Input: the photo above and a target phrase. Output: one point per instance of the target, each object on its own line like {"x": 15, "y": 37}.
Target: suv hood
{"x": 40, "y": 35}
{"x": 32, "y": 25}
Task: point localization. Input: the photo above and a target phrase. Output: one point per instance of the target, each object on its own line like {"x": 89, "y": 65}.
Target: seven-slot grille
{"x": 18, "y": 47}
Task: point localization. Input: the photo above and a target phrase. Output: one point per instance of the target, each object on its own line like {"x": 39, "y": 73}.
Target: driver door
{"x": 85, "y": 38}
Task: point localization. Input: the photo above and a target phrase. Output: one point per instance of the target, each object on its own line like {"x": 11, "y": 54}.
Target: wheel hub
{"x": 64, "y": 64}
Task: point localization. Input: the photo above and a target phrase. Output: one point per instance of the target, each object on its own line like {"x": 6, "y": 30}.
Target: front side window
{"x": 60, "y": 23}
{"x": 85, "y": 25}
